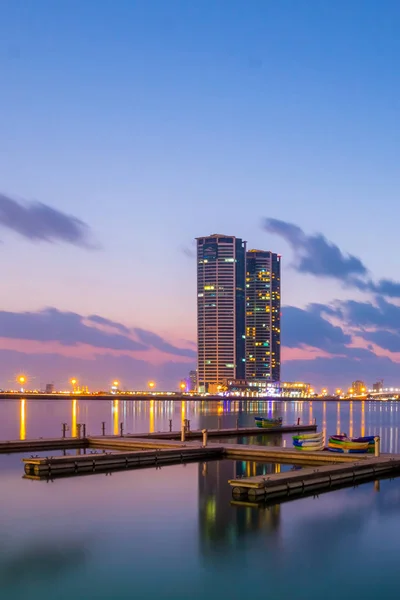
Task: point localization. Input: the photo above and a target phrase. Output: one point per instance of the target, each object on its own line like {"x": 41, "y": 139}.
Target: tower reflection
{"x": 221, "y": 524}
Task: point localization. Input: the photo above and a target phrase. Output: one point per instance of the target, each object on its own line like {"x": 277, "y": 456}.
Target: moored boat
{"x": 342, "y": 443}
{"x": 308, "y": 436}
{"x": 265, "y": 422}
{"x": 309, "y": 447}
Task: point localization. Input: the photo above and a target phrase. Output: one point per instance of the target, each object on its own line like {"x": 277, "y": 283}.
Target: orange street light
{"x": 151, "y": 384}
{"x": 338, "y": 391}
{"x": 183, "y": 386}
{"x": 74, "y": 381}
{"x": 115, "y": 383}
{"x": 21, "y": 379}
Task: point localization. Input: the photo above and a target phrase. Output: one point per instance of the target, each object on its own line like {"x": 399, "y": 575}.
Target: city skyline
{"x": 121, "y": 144}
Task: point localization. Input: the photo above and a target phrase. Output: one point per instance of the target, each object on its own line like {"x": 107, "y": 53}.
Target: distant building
{"x": 221, "y": 270}
{"x": 358, "y": 387}
{"x": 49, "y": 388}
{"x": 378, "y": 386}
{"x": 296, "y": 389}
{"x": 263, "y": 316}
{"x": 192, "y": 387}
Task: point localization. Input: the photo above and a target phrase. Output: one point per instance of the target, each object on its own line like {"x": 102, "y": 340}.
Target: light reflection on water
{"x": 174, "y": 533}
{"x": 41, "y": 418}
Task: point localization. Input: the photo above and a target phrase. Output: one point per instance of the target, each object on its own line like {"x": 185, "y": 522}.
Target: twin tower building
{"x": 238, "y": 314}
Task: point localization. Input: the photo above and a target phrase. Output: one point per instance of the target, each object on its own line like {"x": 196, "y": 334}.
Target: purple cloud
{"x": 39, "y": 222}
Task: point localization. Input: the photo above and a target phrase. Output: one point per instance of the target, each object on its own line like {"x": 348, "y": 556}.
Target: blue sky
{"x": 154, "y": 122}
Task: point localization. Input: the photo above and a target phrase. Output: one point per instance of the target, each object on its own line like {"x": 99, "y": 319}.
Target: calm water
{"x": 173, "y": 533}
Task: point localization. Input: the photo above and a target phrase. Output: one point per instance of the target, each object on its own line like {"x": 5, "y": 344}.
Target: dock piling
{"x": 183, "y": 432}
{"x": 84, "y": 430}
{"x": 298, "y": 421}
{"x": 377, "y": 446}
{"x": 121, "y": 429}
{"x": 103, "y": 428}
{"x": 64, "y": 430}
{"x": 78, "y": 430}
{"x": 170, "y": 425}
{"x": 188, "y": 425}
{"x": 205, "y": 435}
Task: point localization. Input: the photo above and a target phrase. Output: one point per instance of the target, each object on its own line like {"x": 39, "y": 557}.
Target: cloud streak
{"x": 315, "y": 255}
{"x": 39, "y": 222}
{"x": 72, "y": 329}
{"x": 154, "y": 340}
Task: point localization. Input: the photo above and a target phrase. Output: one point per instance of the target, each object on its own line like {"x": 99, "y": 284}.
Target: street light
{"x": 151, "y": 385}
{"x": 73, "y": 383}
{"x": 182, "y": 386}
{"x": 21, "y": 380}
{"x": 338, "y": 392}
{"x": 116, "y": 383}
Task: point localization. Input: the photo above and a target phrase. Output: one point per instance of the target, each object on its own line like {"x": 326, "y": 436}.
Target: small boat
{"x": 309, "y": 447}
{"x": 343, "y": 450}
{"x": 308, "y": 436}
{"x": 341, "y": 443}
{"x": 265, "y": 423}
{"x": 309, "y": 442}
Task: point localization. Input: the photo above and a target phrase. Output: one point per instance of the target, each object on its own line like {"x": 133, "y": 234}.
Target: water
{"x": 173, "y": 533}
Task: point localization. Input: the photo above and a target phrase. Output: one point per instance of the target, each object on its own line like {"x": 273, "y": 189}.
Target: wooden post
{"x": 103, "y": 428}
{"x": 121, "y": 429}
{"x": 183, "y": 432}
{"x": 205, "y": 435}
{"x": 78, "y": 430}
{"x": 170, "y": 424}
{"x": 298, "y": 421}
{"x": 64, "y": 430}
{"x": 84, "y": 430}
{"x": 377, "y": 446}
{"x": 188, "y": 425}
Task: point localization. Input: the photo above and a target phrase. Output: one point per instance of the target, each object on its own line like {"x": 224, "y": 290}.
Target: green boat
{"x": 265, "y": 423}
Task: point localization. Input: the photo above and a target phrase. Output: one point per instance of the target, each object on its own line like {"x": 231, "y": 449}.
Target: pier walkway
{"x": 65, "y": 443}
{"x": 314, "y": 480}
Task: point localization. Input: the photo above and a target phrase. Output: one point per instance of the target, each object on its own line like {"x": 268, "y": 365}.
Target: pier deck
{"x": 47, "y": 444}
{"x": 96, "y": 462}
{"x": 295, "y": 483}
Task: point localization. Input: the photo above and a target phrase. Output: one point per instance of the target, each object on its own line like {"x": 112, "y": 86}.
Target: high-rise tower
{"x": 263, "y": 316}
{"x": 221, "y": 273}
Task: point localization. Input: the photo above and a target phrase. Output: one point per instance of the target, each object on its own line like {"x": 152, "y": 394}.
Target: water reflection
{"x": 45, "y": 418}
{"x": 220, "y": 525}
{"x": 115, "y": 416}
{"x": 74, "y": 418}
{"x": 22, "y": 426}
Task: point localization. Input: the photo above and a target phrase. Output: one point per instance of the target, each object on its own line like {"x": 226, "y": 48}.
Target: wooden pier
{"x": 314, "y": 480}
{"x": 64, "y": 443}
{"x": 230, "y": 432}
{"x": 109, "y": 461}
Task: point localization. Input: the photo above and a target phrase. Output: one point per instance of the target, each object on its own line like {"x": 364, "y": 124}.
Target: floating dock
{"x": 42, "y": 445}
{"x": 108, "y": 461}
{"x": 230, "y": 432}
{"x": 65, "y": 443}
{"x": 314, "y": 480}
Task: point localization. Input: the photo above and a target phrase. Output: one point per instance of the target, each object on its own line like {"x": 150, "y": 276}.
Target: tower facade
{"x": 221, "y": 275}
{"x": 263, "y": 316}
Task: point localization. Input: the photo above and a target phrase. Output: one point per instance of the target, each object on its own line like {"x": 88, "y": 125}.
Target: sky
{"x": 128, "y": 129}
